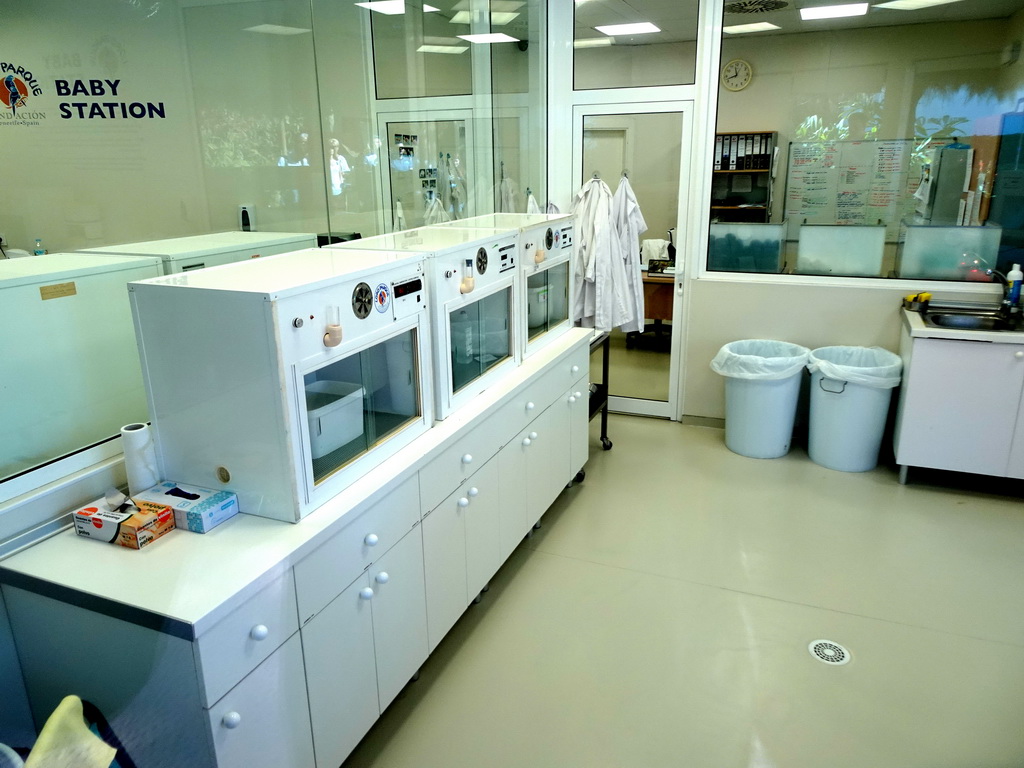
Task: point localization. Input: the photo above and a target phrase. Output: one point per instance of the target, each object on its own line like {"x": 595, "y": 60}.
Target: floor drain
{"x": 828, "y": 652}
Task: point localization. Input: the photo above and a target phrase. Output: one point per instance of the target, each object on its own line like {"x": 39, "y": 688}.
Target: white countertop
{"x": 916, "y": 325}
{"x": 196, "y": 579}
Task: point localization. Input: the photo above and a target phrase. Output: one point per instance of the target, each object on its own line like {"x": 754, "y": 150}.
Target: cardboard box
{"x": 195, "y": 509}
{"x": 135, "y": 527}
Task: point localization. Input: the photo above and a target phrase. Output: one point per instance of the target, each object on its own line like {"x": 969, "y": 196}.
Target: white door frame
{"x": 667, "y": 409}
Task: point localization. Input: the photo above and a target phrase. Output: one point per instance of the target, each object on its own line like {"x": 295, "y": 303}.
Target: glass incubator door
{"x": 481, "y": 336}
{"x": 358, "y": 402}
{"x": 547, "y": 300}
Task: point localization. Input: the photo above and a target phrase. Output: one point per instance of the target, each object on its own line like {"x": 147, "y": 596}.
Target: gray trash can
{"x": 851, "y": 392}
{"x": 762, "y": 384}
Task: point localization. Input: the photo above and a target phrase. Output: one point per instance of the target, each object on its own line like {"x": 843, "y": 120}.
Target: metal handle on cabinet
{"x": 472, "y": 492}
{"x": 467, "y": 459}
{"x": 371, "y": 540}
{"x": 463, "y": 502}
{"x": 259, "y": 632}
{"x": 527, "y": 441}
{"x": 382, "y": 577}
{"x": 366, "y": 593}
{"x": 231, "y": 720}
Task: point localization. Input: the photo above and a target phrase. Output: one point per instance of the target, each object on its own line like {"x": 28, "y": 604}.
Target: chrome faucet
{"x": 1006, "y": 308}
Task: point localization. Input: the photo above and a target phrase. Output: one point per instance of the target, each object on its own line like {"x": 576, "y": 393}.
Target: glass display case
{"x": 332, "y": 350}
{"x": 475, "y": 307}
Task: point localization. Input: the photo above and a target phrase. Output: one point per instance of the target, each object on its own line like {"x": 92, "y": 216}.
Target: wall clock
{"x": 736, "y": 75}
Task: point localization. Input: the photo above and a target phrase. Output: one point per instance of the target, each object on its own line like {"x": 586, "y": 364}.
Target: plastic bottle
{"x": 1014, "y": 278}
{"x": 38, "y": 250}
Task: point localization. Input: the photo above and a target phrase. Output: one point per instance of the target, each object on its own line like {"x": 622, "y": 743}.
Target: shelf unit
{"x": 741, "y": 189}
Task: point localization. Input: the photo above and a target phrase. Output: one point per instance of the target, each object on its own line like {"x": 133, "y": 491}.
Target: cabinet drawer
{"x": 322, "y": 575}
{"x": 532, "y": 400}
{"x": 458, "y": 461}
{"x": 264, "y": 720}
{"x": 240, "y": 641}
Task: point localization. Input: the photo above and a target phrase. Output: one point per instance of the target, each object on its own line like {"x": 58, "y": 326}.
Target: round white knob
{"x": 533, "y": 435}
{"x": 474, "y": 491}
{"x": 527, "y": 441}
{"x": 371, "y": 540}
{"x": 467, "y": 459}
{"x": 382, "y": 577}
{"x": 572, "y": 398}
{"x": 259, "y": 632}
{"x": 575, "y": 369}
{"x": 366, "y": 593}
{"x": 463, "y": 502}
{"x": 530, "y": 406}
{"x": 231, "y": 720}
{"x": 578, "y": 395}
{"x": 1019, "y": 355}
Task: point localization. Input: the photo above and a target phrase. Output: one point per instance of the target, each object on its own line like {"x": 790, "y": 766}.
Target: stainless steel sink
{"x": 974, "y": 320}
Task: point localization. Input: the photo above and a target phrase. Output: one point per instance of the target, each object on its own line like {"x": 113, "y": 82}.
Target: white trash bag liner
{"x": 868, "y": 366}
{"x": 760, "y": 359}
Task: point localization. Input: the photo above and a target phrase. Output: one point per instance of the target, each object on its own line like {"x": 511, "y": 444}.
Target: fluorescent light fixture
{"x": 742, "y": 29}
{"x": 425, "y": 48}
{"x": 430, "y": 9}
{"x": 913, "y": 5}
{"x": 593, "y": 42}
{"x": 640, "y": 28}
{"x": 276, "y": 29}
{"x": 834, "y": 11}
{"x": 493, "y": 37}
{"x": 494, "y": 5}
{"x": 498, "y": 18}
{"x": 387, "y": 7}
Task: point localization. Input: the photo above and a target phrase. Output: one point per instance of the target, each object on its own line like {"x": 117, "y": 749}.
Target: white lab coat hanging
{"x": 630, "y": 224}
{"x": 600, "y": 273}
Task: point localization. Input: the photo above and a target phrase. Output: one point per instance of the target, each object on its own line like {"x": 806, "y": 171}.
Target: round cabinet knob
{"x": 575, "y": 369}
{"x": 1019, "y": 355}
{"x": 572, "y": 398}
{"x": 578, "y": 395}
{"x": 530, "y": 406}
{"x": 533, "y": 435}
{"x": 473, "y": 492}
{"x": 463, "y": 502}
{"x": 371, "y": 540}
{"x": 527, "y": 441}
{"x": 259, "y": 632}
{"x": 467, "y": 459}
{"x": 231, "y": 720}
{"x": 366, "y": 593}
{"x": 382, "y": 577}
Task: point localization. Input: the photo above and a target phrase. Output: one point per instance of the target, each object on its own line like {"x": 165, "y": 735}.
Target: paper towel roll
{"x": 139, "y": 457}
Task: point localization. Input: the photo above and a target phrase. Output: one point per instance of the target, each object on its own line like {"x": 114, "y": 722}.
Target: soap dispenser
{"x": 1013, "y": 283}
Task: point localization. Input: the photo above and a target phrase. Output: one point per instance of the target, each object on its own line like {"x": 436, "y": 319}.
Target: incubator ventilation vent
{"x": 755, "y": 6}
{"x": 828, "y": 652}
{"x": 362, "y": 301}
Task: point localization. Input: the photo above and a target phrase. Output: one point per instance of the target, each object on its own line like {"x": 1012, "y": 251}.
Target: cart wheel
{"x": 606, "y": 443}
{"x": 580, "y": 476}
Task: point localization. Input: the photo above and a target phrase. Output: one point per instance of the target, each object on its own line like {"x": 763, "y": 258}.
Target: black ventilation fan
{"x": 755, "y": 6}
{"x": 481, "y": 261}
{"x": 362, "y": 301}
{"x": 549, "y": 239}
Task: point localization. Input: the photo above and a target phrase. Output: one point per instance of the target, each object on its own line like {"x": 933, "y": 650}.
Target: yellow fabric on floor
{"x": 67, "y": 742}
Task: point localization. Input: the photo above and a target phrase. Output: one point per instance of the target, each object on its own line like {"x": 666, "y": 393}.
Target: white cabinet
{"x": 461, "y": 549}
{"x": 959, "y": 407}
{"x": 264, "y": 719}
{"x": 363, "y": 648}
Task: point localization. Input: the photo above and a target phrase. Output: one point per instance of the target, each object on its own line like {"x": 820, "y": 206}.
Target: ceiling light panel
{"x": 834, "y": 11}
{"x": 638, "y": 28}
{"x": 593, "y": 42}
{"x": 742, "y": 29}
{"x": 276, "y": 29}
{"x": 430, "y": 9}
{"x": 494, "y": 37}
{"x": 387, "y": 7}
{"x": 498, "y": 18}
{"x": 426, "y": 48}
{"x": 913, "y": 5}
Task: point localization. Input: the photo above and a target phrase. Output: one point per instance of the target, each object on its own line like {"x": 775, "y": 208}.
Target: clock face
{"x": 736, "y": 75}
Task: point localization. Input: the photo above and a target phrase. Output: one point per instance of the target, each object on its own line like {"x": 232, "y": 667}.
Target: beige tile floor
{"x": 661, "y": 617}
{"x": 641, "y": 372}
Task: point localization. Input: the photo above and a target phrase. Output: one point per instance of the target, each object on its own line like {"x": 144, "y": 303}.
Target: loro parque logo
{"x": 17, "y": 87}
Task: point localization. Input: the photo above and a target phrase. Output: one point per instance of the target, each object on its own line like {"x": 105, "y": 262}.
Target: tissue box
{"x": 135, "y": 527}
{"x": 195, "y": 509}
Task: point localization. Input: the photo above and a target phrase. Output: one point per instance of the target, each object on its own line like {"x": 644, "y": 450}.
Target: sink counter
{"x": 914, "y": 324}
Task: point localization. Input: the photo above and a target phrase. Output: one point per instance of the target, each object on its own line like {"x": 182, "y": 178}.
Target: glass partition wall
{"x": 880, "y": 145}
{"x": 142, "y": 121}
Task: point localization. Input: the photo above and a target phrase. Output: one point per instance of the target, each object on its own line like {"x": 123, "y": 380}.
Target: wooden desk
{"x": 658, "y": 295}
